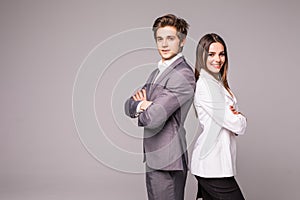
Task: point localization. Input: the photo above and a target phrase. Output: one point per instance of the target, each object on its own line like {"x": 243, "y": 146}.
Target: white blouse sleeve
{"x": 213, "y": 102}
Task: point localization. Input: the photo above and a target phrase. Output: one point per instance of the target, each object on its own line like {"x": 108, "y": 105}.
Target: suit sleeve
{"x": 131, "y": 105}
{"x": 212, "y": 102}
{"x": 177, "y": 91}
{"x": 131, "y": 108}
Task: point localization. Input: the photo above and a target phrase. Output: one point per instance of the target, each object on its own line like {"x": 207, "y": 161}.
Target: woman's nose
{"x": 217, "y": 58}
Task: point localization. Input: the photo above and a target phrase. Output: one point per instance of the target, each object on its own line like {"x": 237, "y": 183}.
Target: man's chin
{"x": 164, "y": 57}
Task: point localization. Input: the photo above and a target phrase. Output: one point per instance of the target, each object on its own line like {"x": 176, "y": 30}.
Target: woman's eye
{"x": 222, "y": 53}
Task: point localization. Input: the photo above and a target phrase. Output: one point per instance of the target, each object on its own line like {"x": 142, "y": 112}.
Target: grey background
{"x": 43, "y": 44}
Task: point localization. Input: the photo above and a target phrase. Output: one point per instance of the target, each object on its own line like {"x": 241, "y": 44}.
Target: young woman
{"x": 214, "y": 155}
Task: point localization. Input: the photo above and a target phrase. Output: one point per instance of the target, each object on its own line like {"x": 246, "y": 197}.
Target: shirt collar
{"x": 163, "y": 65}
{"x": 205, "y": 74}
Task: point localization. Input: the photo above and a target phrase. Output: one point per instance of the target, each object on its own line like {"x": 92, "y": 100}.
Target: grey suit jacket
{"x": 163, "y": 121}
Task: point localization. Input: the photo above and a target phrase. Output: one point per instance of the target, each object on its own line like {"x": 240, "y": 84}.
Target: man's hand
{"x": 145, "y": 105}
{"x": 142, "y": 96}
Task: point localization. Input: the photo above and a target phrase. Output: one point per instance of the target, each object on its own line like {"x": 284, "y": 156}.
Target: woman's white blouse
{"x": 214, "y": 154}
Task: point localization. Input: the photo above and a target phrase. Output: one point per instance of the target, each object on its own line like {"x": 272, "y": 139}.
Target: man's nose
{"x": 165, "y": 43}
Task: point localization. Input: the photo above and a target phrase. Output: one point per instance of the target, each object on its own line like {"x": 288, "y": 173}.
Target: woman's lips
{"x": 217, "y": 66}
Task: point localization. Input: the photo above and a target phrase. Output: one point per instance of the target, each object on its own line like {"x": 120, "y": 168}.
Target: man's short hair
{"x": 171, "y": 20}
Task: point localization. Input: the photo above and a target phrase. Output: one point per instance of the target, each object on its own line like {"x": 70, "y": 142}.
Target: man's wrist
{"x": 138, "y": 108}
{"x": 145, "y": 105}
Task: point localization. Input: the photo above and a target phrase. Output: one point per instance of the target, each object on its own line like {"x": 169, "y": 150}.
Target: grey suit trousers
{"x": 165, "y": 185}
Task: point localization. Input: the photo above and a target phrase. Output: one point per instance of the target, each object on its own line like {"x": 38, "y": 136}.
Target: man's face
{"x": 168, "y": 42}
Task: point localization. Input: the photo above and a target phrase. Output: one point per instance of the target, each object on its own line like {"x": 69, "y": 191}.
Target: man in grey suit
{"x": 161, "y": 107}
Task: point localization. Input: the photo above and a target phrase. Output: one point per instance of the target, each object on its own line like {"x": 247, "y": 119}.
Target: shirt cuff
{"x": 138, "y": 108}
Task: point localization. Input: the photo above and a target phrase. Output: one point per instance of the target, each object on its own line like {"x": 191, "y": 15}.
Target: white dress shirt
{"x": 214, "y": 154}
{"x": 162, "y": 66}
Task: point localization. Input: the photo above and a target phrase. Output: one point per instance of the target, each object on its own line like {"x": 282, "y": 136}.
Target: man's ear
{"x": 182, "y": 43}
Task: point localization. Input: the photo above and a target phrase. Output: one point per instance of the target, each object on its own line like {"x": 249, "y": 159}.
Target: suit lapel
{"x": 153, "y": 75}
{"x": 149, "y": 83}
{"x": 166, "y": 72}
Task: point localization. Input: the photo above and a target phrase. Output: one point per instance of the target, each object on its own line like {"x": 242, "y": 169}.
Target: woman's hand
{"x": 234, "y": 111}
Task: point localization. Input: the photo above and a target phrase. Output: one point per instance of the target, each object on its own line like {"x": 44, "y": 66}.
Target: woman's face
{"x": 216, "y": 57}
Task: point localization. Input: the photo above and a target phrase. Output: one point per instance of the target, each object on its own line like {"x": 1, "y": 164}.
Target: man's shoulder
{"x": 183, "y": 72}
{"x": 183, "y": 65}
{"x": 184, "y": 68}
